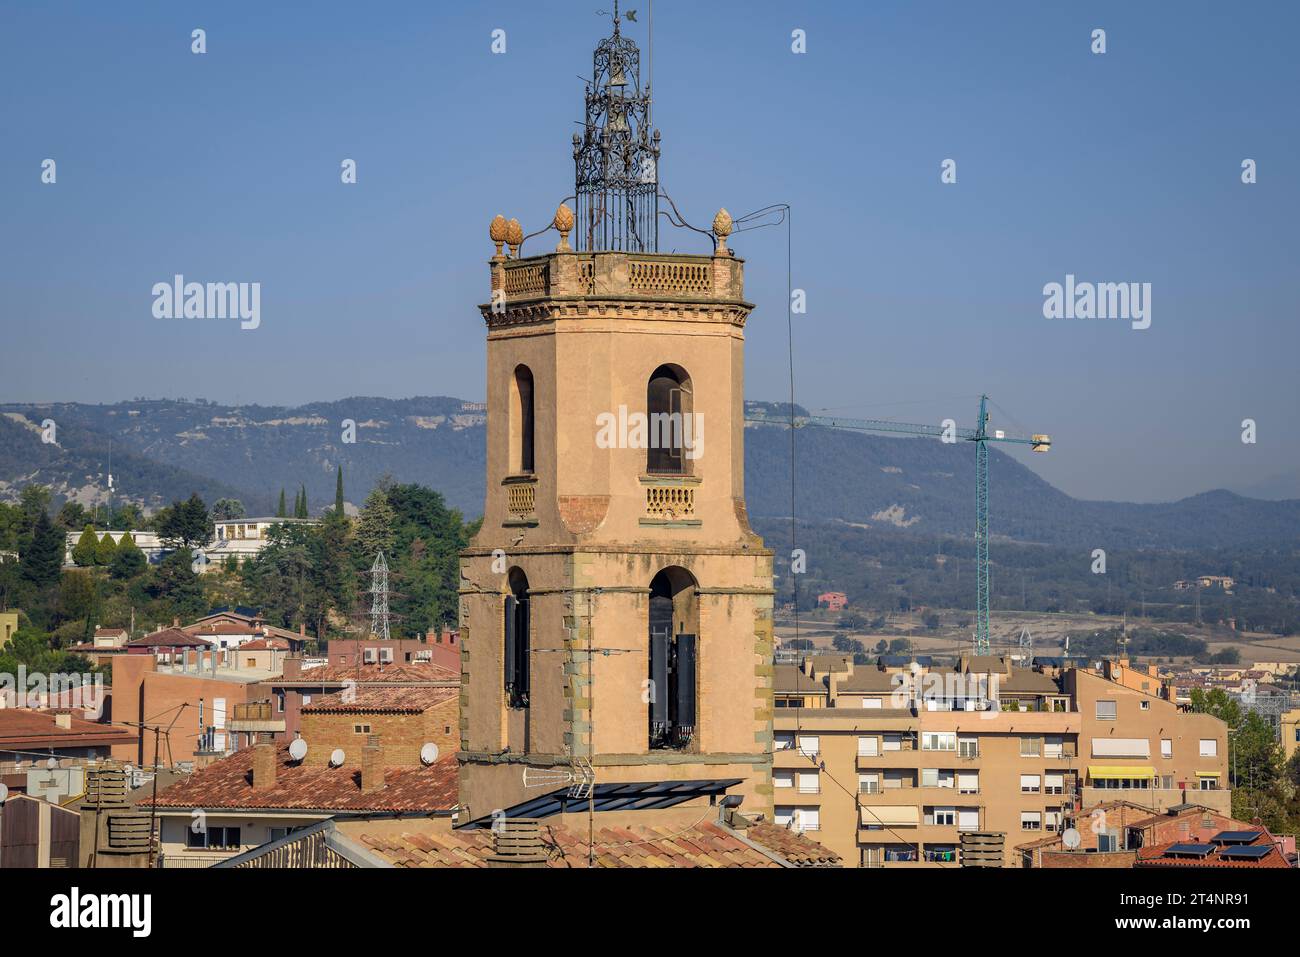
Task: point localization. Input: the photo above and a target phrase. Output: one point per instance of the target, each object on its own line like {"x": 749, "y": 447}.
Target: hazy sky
{"x": 1120, "y": 167}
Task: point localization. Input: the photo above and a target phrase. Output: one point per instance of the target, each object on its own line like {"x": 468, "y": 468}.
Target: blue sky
{"x": 1116, "y": 168}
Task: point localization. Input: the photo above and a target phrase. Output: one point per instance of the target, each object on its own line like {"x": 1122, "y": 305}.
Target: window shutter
{"x": 511, "y": 651}
{"x": 685, "y": 683}
{"x": 659, "y": 681}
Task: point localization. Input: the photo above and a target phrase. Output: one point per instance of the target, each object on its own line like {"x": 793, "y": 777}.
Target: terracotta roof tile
{"x": 23, "y": 728}
{"x": 229, "y": 784}
{"x": 408, "y": 672}
{"x": 379, "y": 699}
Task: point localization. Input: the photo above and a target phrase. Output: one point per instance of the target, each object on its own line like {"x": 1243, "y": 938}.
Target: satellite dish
{"x": 298, "y": 749}
{"x": 52, "y": 763}
{"x": 429, "y": 753}
{"x": 1070, "y": 838}
{"x": 4, "y": 793}
{"x": 337, "y": 757}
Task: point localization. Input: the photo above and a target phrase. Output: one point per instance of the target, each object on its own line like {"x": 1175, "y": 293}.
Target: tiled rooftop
{"x": 229, "y": 784}
{"x": 379, "y": 698}
{"x": 409, "y": 673}
{"x": 704, "y": 844}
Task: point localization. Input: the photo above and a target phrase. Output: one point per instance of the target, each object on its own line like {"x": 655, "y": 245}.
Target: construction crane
{"x": 948, "y": 431}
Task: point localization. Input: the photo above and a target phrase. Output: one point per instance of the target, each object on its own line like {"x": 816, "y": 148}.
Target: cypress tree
{"x": 301, "y": 510}
{"x": 83, "y": 553}
{"x": 338, "y": 493}
{"x": 42, "y": 561}
{"x": 105, "y": 550}
{"x": 128, "y": 560}
{"x": 280, "y": 512}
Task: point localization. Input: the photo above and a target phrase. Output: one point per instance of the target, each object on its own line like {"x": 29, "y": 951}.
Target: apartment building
{"x": 1145, "y": 749}
{"x": 888, "y": 764}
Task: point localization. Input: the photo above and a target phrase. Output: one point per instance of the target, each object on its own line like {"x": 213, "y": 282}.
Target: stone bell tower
{"x": 616, "y": 608}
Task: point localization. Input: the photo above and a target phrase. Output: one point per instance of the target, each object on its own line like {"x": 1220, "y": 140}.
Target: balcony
{"x": 255, "y": 717}
{"x": 571, "y": 275}
{"x": 187, "y": 861}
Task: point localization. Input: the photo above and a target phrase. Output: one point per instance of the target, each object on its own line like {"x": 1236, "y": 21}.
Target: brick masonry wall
{"x": 400, "y": 735}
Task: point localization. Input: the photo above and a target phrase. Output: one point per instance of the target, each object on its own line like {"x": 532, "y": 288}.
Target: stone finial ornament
{"x": 498, "y": 231}
{"x": 722, "y": 229}
{"x": 515, "y": 237}
{"x": 563, "y": 222}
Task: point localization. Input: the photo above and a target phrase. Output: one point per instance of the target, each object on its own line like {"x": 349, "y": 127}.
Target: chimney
{"x": 292, "y": 666}
{"x": 302, "y": 630}
{"x": 176, "y": 622}
{"x": 264, "y": 761}
{"x": 63, "y": 720}
{"x": 372, "y": 766}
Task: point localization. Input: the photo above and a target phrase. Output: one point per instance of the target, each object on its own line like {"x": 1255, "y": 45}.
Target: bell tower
{"x": 616, "y": 608}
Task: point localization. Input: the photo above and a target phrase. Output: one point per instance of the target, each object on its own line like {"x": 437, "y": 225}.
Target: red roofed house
{"x": 833, "y": 600}
{"x": 1248, "y": 849}
{"x": 364, "y": 756}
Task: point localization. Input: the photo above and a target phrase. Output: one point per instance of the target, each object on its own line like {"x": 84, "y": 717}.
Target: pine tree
{"x": 128, "y": 560}
{"x": 280, "y": 512}
{"x": 84, "y": 552}
{"x": 42, "y": 561}
{"x": 338, "y": 492}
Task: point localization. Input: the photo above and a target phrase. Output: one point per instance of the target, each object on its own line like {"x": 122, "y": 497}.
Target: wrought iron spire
{"x": 616, "y": 157}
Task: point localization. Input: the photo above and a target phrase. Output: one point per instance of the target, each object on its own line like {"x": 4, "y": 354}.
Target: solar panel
{"x": 1246, "y": 852}
{"x": 1234, "y": 837}
{"x": 1189, "y": 850}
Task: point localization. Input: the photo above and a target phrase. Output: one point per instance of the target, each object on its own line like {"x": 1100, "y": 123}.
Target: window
{"x": 361, "y": 729}
{"x": 782, "y": 779}
{"x": 968, "y": 782}
{"x": 219, "y": 838}
{"x": 893, "y": 742}
{"x": 939, "y": 741}
{"x": 1052, "y": 819}
{"x": 1108, "y": 841}
{"x": 809, "y": 782}
{"x": 805, "y": 819}
{"x": 278, "y": 832}
{"x": 937, "y": 778}
{"x": 968, "y": 819}
{"x": 968, "y": 747}
{"x": 942, "y": 816}
{"x": 783, "y": 816}
{"x": 1031, "y": 747}
{"x": 1144, "y": 705}
{"x": 1166, "y": 747}
{"x": 873, "y": 703}
{"x": 521, "y": 422}
{"x": 1106, "y": 710}
{"x": 868, "y": 747}
{"x": 279, "y": 702}
{"x": 1031, "y": 821}
{"x": 868, "y": 784}
{"x": 1054, "y": 783}
{"x": 518, "y": 644}
{"x": 1053, "y": 746}
{"x": 1209, "y": 784}
{"x": 1209, "y": 748}
{"x": 668, "y": 413}
{"x": 809, "y": 744}
{"x": 785, "y": 740}
{"x": 673, "y": 624}
{"x": 1029, "y": 783}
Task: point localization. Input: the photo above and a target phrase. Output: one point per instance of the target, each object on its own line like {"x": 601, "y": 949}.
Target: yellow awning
{"x": 893, "y": 816}
{"x": 1108, "y": 772}
{"x": 1208, "y": 774}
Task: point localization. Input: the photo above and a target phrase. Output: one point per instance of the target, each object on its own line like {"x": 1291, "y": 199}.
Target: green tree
{"x": 375, "y": 528}
{"x": 72, "y": 516}
{"x": 186, "y": 525}
{"x": 279, "y": 510}
{"x": 128, "y": 560}
{"x": 227, "y": 509}
{"x": 300, "y": 508}
{"x": 338, "y": 492}
{"x": 83, "y": 553}
{"x": 42, "y": 560}
{"x": 105, "y": 550}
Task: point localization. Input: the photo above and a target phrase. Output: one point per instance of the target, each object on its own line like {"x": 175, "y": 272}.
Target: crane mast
{"x": 947, "y": 432}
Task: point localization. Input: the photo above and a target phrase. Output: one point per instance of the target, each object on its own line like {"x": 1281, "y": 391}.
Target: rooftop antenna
{"x": 1026, "y": 644}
